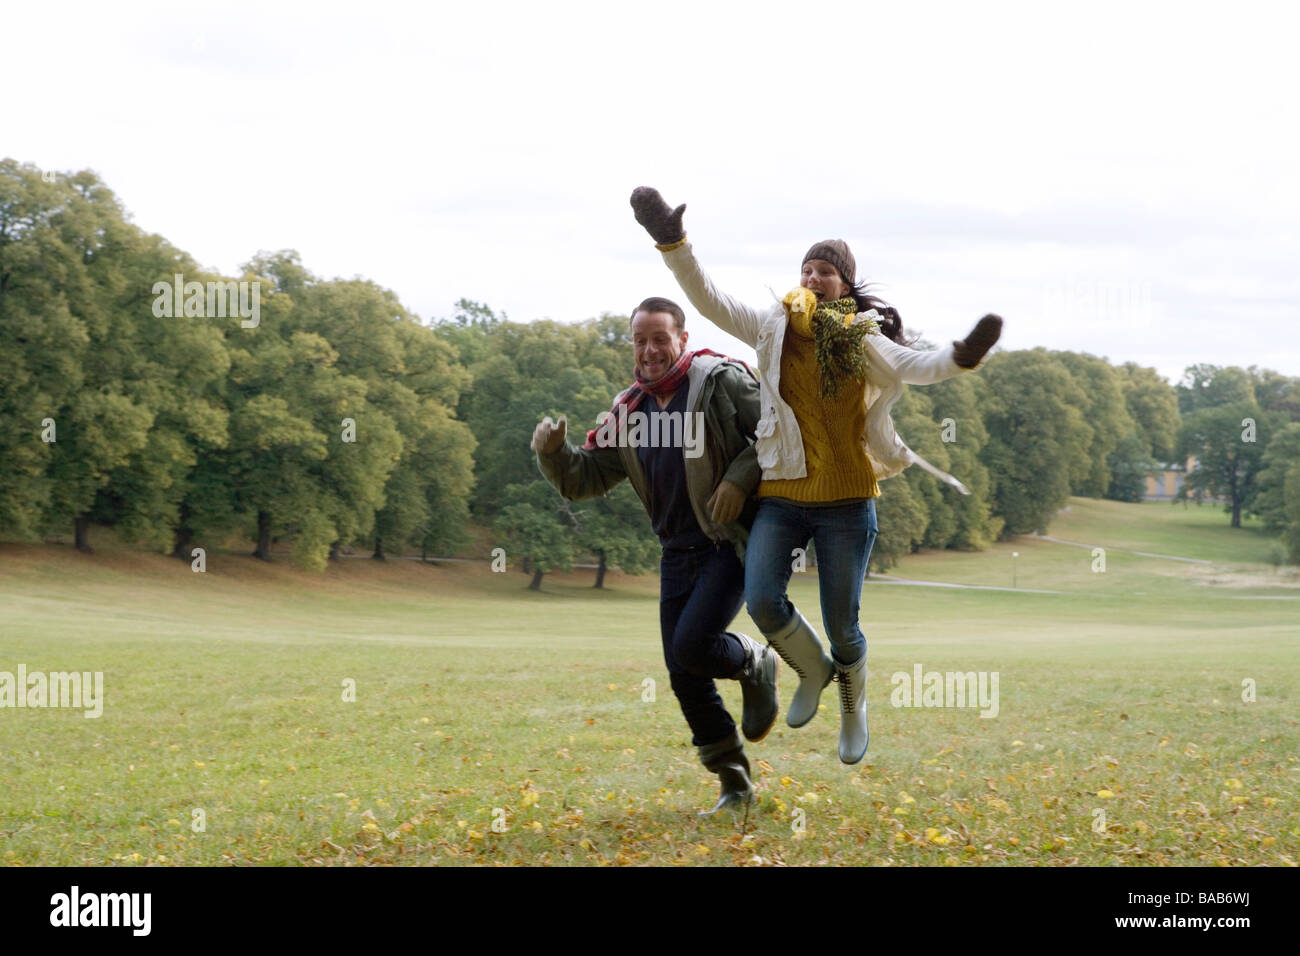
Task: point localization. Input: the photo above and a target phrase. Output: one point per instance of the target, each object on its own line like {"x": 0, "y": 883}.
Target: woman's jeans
{"x": 843, "y": 534}
{"x": 700, "y": 593}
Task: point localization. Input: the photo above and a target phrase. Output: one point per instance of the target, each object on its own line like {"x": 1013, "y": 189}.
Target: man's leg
{"x": 779, "y": 528}
{"x": 692, "y": 664}
{"x": 703, "y": 647}
{"x": 693, "y": 597}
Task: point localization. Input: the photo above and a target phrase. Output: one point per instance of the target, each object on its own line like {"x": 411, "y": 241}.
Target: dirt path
{"x": 890, "y": 579}
{"x": 1145, "y": 554}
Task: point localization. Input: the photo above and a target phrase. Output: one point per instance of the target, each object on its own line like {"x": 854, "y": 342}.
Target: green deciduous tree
{"x": 177, "y": 367}
{"x": 41, "y": 345}
{"x": 1291, "y": 498}
{"x": 537, "y": 527}
{"x": 1129, "y": 465}
{"x": 67, "y": 267}
{"x": 1038, "y": 440}
{"x": 310, "y": 452}
{"x": 1153, "y": 405}
{"x": 1209, "y": 386}
{"x": 615, "y": 528}
{"x": 1281, "y": 454}
{"x": 958, "y": 406}
{"x": 1105, "y": 413}
{"x": 1276, "y": 392}
{"x": 901, "y": 515}
{"x": 1228, "y": 442}
{"x": 523, "y": 372}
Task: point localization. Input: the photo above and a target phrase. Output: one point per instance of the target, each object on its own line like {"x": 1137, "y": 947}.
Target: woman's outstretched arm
{"x": 665, "y": 227}
{"x": 916, "y": 367}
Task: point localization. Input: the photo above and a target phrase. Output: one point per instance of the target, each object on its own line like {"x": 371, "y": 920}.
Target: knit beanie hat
{"x": 836, "y": 252}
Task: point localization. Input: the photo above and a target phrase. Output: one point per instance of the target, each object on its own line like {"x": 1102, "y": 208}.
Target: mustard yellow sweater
{"x": 831, "y": 428}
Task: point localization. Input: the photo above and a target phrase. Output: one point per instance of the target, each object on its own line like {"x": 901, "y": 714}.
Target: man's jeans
{"x": 700, "y": 593}
{"x": 843, "y": 534}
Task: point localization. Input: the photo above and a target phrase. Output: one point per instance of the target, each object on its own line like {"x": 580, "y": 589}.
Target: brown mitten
{"x": 969, "y": 351}
{"x": 662, "y": 222}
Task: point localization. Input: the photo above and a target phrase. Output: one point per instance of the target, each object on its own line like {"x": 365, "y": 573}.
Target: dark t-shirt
{"x": 671, "y": 514}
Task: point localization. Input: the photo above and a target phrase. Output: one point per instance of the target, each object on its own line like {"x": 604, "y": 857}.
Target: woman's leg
{"x": 872, "y": 529}
{"x": 844, "y": 536}
{"x": 779, "y": 528}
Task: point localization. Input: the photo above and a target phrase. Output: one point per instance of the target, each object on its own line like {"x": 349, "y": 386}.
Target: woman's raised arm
{"x": 665, "y": 227}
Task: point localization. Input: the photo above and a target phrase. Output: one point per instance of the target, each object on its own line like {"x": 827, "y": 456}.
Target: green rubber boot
{"x": 798, "y": 646}
{"x": 853, "y": 709}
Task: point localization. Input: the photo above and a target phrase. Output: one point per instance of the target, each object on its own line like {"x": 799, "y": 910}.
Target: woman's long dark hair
{"x": 891, "y": 323}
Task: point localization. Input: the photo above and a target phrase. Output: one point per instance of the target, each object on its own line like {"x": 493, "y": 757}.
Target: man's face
{"x": 823, "y": 280}
{"x": 657, "y": 343}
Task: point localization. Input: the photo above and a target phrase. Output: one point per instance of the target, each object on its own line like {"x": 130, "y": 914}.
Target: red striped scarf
{"x": 666, "y": 384}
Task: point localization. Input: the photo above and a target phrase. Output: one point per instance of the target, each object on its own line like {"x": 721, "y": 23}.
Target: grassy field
{"x": 495, "y": 725}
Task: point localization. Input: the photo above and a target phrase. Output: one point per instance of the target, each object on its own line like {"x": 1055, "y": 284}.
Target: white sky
{"x": 1119, "y": 179}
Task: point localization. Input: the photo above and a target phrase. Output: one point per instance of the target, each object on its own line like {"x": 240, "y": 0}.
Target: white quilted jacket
{"x": 889, "y": 367}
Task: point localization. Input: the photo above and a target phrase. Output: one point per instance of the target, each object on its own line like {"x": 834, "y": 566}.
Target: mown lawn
{"x": 493, "y": 724}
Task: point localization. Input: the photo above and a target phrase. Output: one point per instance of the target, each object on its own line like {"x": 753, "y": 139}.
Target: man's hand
{"x": 548, "y": 436}
{"x": 660, "y": 220}
{"x": 727, "y": 502}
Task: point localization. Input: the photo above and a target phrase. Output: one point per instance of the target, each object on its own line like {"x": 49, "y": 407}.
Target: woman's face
{"x": 823, "y": 280}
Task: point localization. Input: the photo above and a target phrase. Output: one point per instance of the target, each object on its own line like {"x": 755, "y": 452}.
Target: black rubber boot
{"x": 727, "y": 759}
{"x": 757, "y": 680}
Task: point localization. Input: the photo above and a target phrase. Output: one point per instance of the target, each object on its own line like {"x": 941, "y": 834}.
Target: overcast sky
{"x": 1118, "y": 179}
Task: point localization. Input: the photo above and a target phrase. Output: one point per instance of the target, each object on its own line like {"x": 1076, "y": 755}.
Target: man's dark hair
{"x": 659, "y": 304}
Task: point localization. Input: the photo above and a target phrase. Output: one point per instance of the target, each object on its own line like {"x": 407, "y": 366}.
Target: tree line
{"x": 335, "y": 418}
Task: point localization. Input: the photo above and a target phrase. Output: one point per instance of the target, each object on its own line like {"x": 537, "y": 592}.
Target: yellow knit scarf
{"x": 838, "y": 331}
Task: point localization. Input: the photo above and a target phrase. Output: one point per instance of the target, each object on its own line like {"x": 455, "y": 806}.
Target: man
{"x": 696, "y": 487}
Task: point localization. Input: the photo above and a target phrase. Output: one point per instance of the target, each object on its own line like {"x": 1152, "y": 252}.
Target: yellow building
{"x": 1165, "y": 485}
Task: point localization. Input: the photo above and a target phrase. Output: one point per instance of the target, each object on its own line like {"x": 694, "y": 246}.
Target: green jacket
{"x": 727, "y": 393}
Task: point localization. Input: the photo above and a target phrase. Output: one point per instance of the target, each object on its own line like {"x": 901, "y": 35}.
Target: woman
{"x": 829, "y": 374}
